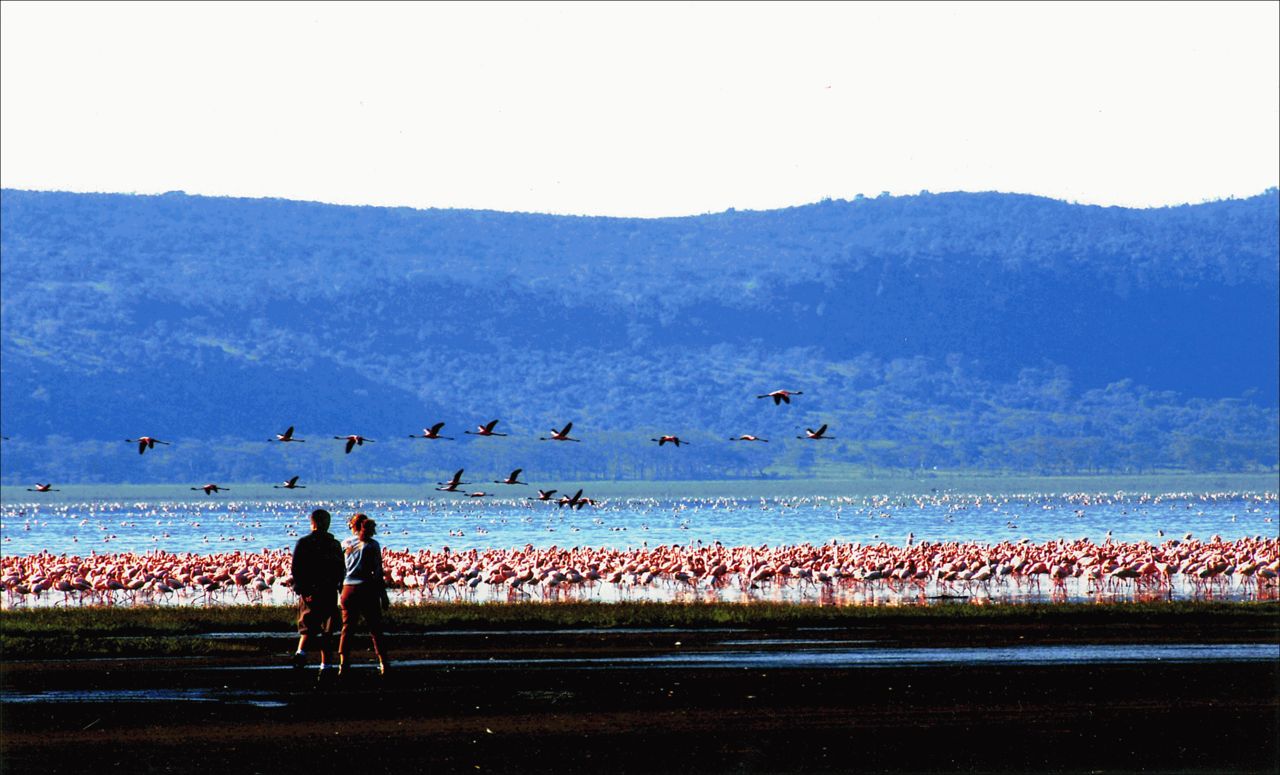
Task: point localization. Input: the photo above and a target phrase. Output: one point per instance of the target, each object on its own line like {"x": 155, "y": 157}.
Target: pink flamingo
{"x": 431, "y": 433}
{"x": 452, "y": 484}
{"x": 818, "y": 435}
{"x": 287, "y": 436}
{"x": 145, "y": 443}
{"x": 513, "y": 479}
{"x": 781, "y": 396}
{"x": 354, "y": 440}
{"x": 485, "y": 430}
{"x": 559, "y": 435}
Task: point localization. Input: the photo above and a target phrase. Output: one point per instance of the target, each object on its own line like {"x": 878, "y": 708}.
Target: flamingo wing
{"x": 350, "y": 444}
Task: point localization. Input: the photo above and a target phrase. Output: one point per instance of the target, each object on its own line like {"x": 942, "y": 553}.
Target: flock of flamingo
{"x": 351, "y": 441}
{"x": 920, "y": 570}
{"x": 925, "y": 569}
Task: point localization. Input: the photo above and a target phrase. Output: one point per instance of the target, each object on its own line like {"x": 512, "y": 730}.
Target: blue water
{"x": 207, "y": 527}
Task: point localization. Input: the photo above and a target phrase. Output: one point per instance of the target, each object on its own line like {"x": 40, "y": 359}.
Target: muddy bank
{"x": 583, "y": 701}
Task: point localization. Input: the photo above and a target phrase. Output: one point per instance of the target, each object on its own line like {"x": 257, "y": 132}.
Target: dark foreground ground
{"x": 627, "y": 701}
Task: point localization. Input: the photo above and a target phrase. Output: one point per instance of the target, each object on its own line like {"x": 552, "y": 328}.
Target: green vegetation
{"x": 159, "y": 621}
{"x": 105, "y": 632}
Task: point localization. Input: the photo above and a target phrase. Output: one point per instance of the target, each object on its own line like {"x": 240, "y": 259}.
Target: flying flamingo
{"x": 543, "y": 495}
{"x": 353, "y": 440}
{"x": 748, "y": 437}
{"x": 145, "y": 443}
{"x": 479, "y": 495}
{"x": 781, "y": 396}
{"x": 452, "y": 484}
{"x": 287, "y": 436}
{"x": 485, "y": 430}
{"x": 431, "y": 433}
{"x": 818, "y": 435}
{"x": 559, "y": 435}
{"x": 672, "y": 439}
{"x": 573, "y": 502}
{"x": 209, "y": 489}
{"x": 513, "y": 479}
{"x": 292, "y": 484}
{"x": 43, "y": 488}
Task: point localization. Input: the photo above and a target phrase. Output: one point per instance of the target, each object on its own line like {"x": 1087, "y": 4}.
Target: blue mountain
{"x": 971, "y": 330}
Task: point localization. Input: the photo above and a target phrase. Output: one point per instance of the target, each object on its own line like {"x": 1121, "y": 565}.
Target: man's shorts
{"x": 316, "y": 613}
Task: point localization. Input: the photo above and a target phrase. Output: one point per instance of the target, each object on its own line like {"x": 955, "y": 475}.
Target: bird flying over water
{"x": 43, "y": 488}
{"x": 292, "y": 484}
{"x": 209, "y": 489}
{"x": 748, "y": 437}
{"x": 571, "y": 502}
{"x": 353, "y": 440}
{"x": 544, "y": 495}
{"x": 145, "y": 443}
{"x": 452, "y": 484}
{"x": 513, "y": 479}
{"x": 431, "y": 433}
{"x": 781, "y": 396}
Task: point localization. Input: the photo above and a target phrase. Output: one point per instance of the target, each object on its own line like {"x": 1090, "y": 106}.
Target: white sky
{"x": 642, "y": 109}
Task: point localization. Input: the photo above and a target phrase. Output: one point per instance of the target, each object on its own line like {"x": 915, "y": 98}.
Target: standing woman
{"x": 363, "y": 590}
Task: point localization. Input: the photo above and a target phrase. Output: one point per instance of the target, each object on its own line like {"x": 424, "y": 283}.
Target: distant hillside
{"x": 950, "y": 330}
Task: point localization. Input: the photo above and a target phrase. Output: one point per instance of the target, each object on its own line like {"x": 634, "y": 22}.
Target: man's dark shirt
{"x": 318, "y": 566}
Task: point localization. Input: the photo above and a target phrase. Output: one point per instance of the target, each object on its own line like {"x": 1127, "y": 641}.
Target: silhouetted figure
{"x": 318, "y": 571}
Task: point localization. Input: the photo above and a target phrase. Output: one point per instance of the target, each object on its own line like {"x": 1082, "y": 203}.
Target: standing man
{"x": 318, "y": 570}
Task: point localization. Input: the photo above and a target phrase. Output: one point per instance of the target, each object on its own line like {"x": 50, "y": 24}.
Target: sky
{"x": 642, "y": 109}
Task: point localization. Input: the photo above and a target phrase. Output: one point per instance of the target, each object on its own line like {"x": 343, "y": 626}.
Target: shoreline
{"x": 890, "y": 483}
{"x": 261, "y": 631}
{"x": 575, "y": 695}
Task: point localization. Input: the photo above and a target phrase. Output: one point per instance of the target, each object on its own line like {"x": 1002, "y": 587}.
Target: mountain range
{"x": 953, "y": 331}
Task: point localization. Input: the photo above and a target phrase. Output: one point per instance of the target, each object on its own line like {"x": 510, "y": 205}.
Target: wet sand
{"x": 628, "y": 701}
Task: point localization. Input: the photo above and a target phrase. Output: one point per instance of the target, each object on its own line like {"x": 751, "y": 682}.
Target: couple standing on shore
{"x": 322, "y": 569}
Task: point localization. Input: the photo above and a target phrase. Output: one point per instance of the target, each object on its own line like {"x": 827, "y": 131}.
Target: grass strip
{"x": 160, "y": 621}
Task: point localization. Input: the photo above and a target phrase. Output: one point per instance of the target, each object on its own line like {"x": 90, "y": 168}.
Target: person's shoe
{"x": 299, "y": 660}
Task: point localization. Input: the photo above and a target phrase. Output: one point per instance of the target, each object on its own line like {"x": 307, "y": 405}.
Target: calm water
{"x": 225, "y": 524}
